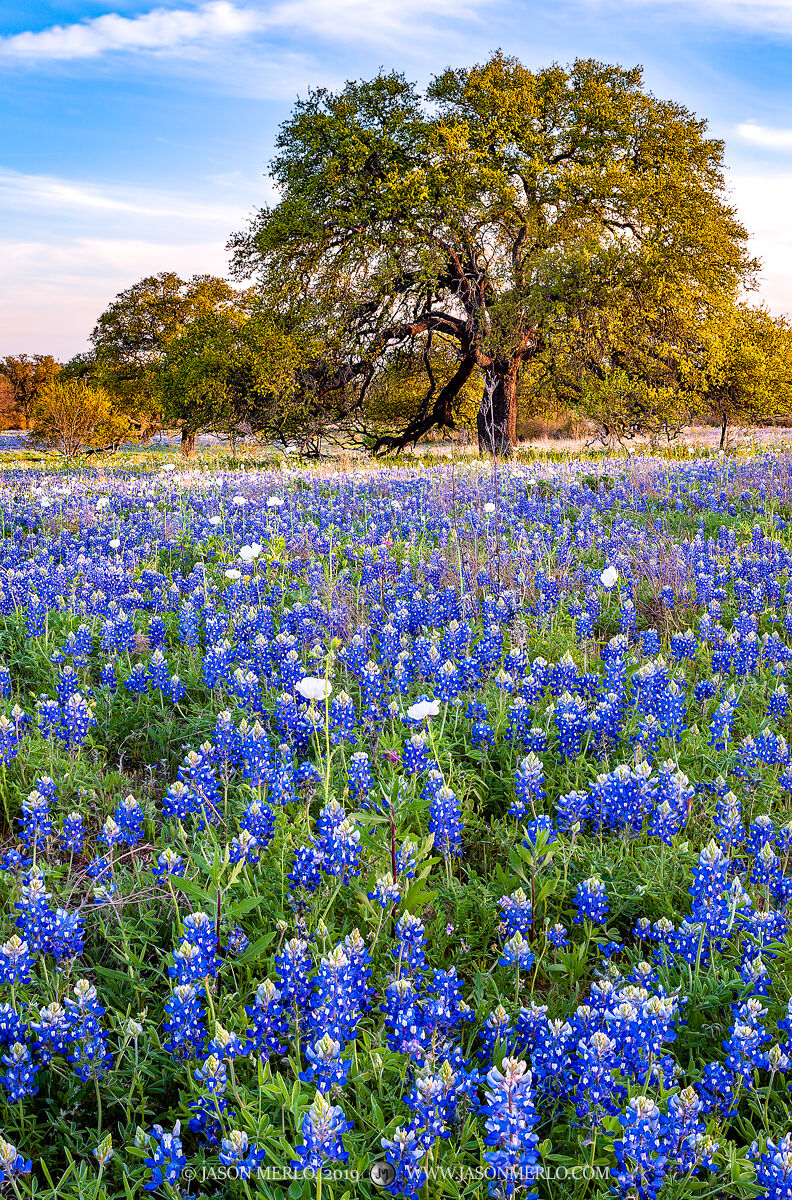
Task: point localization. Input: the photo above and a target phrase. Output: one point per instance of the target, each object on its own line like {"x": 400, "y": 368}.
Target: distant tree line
{"x": 510, "y": 240}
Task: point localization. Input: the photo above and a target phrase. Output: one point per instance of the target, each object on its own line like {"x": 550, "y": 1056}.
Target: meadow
{"x": 418, "y": 830}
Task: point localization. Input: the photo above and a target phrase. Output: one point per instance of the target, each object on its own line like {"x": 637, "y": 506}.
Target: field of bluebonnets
{"x": 423, "y": 828}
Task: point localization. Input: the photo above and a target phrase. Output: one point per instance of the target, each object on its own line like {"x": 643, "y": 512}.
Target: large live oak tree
{"x": 489, "y": 214}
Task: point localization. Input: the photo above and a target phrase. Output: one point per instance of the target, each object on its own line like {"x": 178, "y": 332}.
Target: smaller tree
{"x": 27, "y": 376}
{"x": 253, "y": 370}
{"x": 747, "y": 376}
{"x": 130, "y": 337}
{"x": 75, "y": 418}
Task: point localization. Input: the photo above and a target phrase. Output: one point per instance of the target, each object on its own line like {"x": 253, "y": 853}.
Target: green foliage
{"x": 747, "y": 374}
{"x": 130, "y": 337}
{"x": 246, "y": 370}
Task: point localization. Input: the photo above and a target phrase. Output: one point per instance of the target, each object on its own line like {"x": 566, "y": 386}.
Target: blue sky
{"x": 134, "y": 136}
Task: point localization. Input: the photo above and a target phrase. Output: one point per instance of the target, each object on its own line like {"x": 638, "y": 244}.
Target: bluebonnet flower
{"x": 516, "y": 913}
{"x": 53, "y": 1032}
{"x": 49, "y": 713}
{"x": 433, "y": 1099}
{"x": 12, "y": 1163}
{"x": 650, "y": 642}
{"x": 307, "y": 778}
{"x": 12, "y": 860}
{"x": 137, "y": 682}
{"x": 168, "y": 863}
{"x": 405, "y": 1153}
{"x": 9, "y": 739}
{"x": 67, "y": 683}
{"x": 336, "y": 1004}
{"x": 386, "y": 892}
{"x": 306, "y": 868}
{"x": 72, "y": 836}
{"x": 528, "y": 787}
{"x": 67, "y": 935}
{"x": 359, "y": 779}
{"x": 774, "y": 1167}
{"x": 236, "y": 1150}
{"x": 129, "y": 818}
{"x": 107, "y": 676}
{"x": 641, "y": 1162}
{"x": 294, "y": 964}
{"x": 496, "y": 1030}
{"x": 283, "y": 783}
{"x": 35, "y": 914}
{"x": 236, "y": 940}
{"x": 728, "y": 820}
{"x": 20, "y": 1071}
{"x": 212, "y": 1075}
{"x": 325, "y": 1066}
{"x": 76, "y": 719}
{"x": 103, "y": 1152}
{"x": 157, "y": 673}
{"x": 445, "y": 822}
{"x": 268, "y": 1026}
{"x": 338, "y": 841}
{"x": 343, "y": 717}
{"x": 596, "y": 1061}
{"x": 12, "y": 1027}
{"x": 167, "y": 1159}
{"x": 591, "y": 901}
{"x": 517, "y": 952}
{"x": 225, "y": 1045}
{"x": 112, "y": 834}
{"x": 36, "y": 821}
{"x": 411, "y": 936}
{"x": 323, "y": 1128}
{"x": 184, "y": 1022}
{"x": 571, "y": 720}
{"x": 721, "y": 723}
{"x": 407, "y": 860}
{"x": 510, "y": 1118}
{"x": 89, "y": 1053}
{"x": 540, "y": 835}
{"x": 175, "y": 690}
{"x": 482, "y": 734}
{"x": 415, "y": 754}
{"x": 557, "y": 936}
{"x": 244, "y": 848}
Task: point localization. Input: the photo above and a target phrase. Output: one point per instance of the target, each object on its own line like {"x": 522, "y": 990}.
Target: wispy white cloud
{"x": 50, "y": 192}
{"x": 159, "y": 31}
{"x": 761, "y": 135}
{"x": 378, "y": 21}
{"x": 772, "y": 15}
{"x": 173, "y": 32}
{"x": 81, "y": 243}
{"x": 763, "y": 16}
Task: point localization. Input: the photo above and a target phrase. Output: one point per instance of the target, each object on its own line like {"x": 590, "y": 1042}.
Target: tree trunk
{"x": 187, "y": 444}
{"x": 724, "y": 427}
{"x": 497, "y": 414}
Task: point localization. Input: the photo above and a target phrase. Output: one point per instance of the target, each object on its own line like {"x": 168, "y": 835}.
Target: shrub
{"x": 74, "y": 418}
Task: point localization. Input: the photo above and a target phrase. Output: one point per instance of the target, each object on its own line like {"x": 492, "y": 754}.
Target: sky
{"x": 134, "y": 136}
